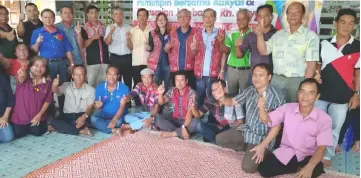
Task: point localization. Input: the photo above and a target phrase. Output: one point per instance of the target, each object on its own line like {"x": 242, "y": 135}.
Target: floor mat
{"x": 145, "y": 154}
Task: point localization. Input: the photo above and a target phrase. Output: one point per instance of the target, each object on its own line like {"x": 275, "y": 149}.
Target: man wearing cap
{"x": 148, "y": 95}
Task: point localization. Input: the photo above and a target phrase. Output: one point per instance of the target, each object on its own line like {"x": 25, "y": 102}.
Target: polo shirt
{"x": 29, "y": 28}
{"x": 77, "y": 100}
{"x": 208, "y": 42}
{"x": 337, "y": 70}
{"x": 119, "y": 39}
{"x": 93, "y": 51}
{"x": 250, "y": 43}
{"x": 6, "y": 95}
{"x": 7, "y": 48}
{"x": 291, "y": 52}
{"x": 182, "y": 37}
{"x": 230, "y": 43}
{"x": 54, "y": 45}
{"x": 111, "y": 101}
{"x": 139, "y": 39}
{"x": 73, "y": 39}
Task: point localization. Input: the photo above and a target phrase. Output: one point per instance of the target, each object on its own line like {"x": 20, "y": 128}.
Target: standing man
{"x": 340, "y": 75}
{"x": 209, "y": 63}
{"x": 25, "y": 29}
{"x": 72, "y": 32}
{"x": 120, "y": 55}
{"x": 137, "y": 40}
{"x": 265, "y": 16}
{"x": 8, "y": 40}
{"x": 182, "y": 47}
{"x": 295, "y": 52}
{"x": 238, "y": 68}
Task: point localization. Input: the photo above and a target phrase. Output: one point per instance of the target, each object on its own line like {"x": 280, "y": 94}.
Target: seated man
{"x": 148, "y": 95}
{"x": 110, "y": 106}
{"x": 181, "y": 97}
{"x": 252, "y": 132}
{"x": 306, "y": 134}
{"x": 222, "y": 114}
{"x": 79, "y": 100}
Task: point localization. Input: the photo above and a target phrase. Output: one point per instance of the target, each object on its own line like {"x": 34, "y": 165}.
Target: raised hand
{"x": 262, "y": 101}
{"x": 56, "y": 81}
{"x": 22, "y": 17}
{"x": 161, "y": 89}
{"x": 78, "y": 27}
{"x": 99, "y": 103}
{"x": 113, "y": 27}
{"x": 96, "y": 34}
{"x": 194, "y": 44}
{"x": 239, "y": 42}
{"x": 21, "y": 73}
{"x": 39, "y": 39}
{"x": 11, "y": 35}
{"x": 168, "y": 46}
{"x": 260, "y": 27}
{"x": 317, "y": 77}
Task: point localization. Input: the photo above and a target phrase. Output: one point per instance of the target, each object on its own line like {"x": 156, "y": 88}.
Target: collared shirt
{"x": 230, "y": 41}
{"x": 255, "y": 131}
{"x": 29, "y": 28}
{"x": 77, "y": 100}
{"x": 119, "y": 39}
{"x": 73, "y": 39}
{"x": 250, "y": 43}
{"x": 290, "y": 52}
{"x": 30, "y": 99}
{"x": 7, "y": 98}
{"x": 163, "y": 58}
{"x": 301, "y": 136}
{"x": 111, "y": 101}
{"x": 338, "y": 66}
{"x": 139, "y": 39}
{"x": 148, "y": 96}
{"x": 54, "y": 45}
{"x": 182, "y": 37}
{"x": 169, "y": 95}
{"x": 208, "y": 42}
{"x": 223, "y": 114}
{"x": 7, "y": 48}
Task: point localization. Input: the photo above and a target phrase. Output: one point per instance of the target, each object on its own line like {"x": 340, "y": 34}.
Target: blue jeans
{"x": 135, "y": 120}
{"x": 204, "y": 89}
{"x": 6, "y": 134}
{"x": 163, "y": 74}
{"x": 338, "y": 115}
{"x": 60, "y": 67}
{"x": 210, "y": 130}
{"x": 101, "y": 121}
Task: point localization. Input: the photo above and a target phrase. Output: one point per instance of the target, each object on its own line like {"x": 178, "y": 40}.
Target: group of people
{"x": 282, "y": 96}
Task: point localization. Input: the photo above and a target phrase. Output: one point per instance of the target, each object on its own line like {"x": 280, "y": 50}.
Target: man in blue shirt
{"x": 73, "y": 32}
{"x": 110, "y": 105}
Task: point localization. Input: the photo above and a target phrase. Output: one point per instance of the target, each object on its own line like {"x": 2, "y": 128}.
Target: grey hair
{"x": 212, "y": 10}
{"x": 243, "y": 10}
{"x": 185, "y": 11}
{"x": 117, "y": 8}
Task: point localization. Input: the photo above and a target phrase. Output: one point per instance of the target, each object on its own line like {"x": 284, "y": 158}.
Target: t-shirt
{"x": 230, "y": 42}
{"x": 29, "y": 28}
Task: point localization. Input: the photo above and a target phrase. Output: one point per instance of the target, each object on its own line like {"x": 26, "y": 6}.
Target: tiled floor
{"x": 22, "y": 156}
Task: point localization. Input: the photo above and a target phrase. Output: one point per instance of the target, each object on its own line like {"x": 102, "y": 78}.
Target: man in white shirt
{"x": 116, "y": 39}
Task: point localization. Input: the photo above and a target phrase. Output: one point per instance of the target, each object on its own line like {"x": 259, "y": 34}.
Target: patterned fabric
{"x": 253, "y": 130}
{"x": 147, "y": 155}
{"x": 158, "y": 48}
{"x": 91, "y": 28}
{"x": 148, "y": 96}
{"x": 182, "y": 107}
{"x": 290, "y": 52}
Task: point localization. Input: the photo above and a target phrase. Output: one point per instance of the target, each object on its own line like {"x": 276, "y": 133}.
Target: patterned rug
{"x": 145, "y": 154}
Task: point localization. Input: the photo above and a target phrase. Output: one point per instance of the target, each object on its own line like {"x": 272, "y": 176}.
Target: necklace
{"x": 37, "y": 89}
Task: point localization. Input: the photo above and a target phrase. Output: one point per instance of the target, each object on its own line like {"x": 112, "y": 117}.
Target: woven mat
{"x": 145, "y": 154}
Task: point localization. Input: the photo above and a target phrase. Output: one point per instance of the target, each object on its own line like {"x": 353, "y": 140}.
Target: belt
{"x": 51, "y": 60}
{"x": 240, "y": 68}
{"x": 119, "y": 55}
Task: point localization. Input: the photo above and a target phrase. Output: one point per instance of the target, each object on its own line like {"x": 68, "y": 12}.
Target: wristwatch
{"x": 86, "y": 115}
{"x": 356, "y": 92}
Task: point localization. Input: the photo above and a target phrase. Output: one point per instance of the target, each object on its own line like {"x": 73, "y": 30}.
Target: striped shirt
{"x": 148, "y": 96}
{"x": 253, "y": 130}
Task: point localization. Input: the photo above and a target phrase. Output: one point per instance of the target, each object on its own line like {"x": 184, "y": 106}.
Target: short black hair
{"x": 79, "y": 66}
{"x": 181, "y": 72}
{"x": 264, "y": 66}
{"x": 31, "y": 4}
{"x": 3, "y": 7}
{"x": 68, "y": 7}
{"x": 266, "y": 6}
{"x": 112, "y": 66}
{"x": 310, "y": 81}
{"x": 211, "y": 10}
{"x": 223, "y": 83}
{"x": 347, "y": 11}
{"x": 90, "y": 7}
{"x": 142, "y": 9}
{"x": 302, "y": 7}
{"x": 21, "y": 43}
{"x": 47, "y": 10}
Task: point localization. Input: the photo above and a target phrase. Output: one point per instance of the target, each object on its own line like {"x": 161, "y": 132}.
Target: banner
{"x": 226, "y": 11}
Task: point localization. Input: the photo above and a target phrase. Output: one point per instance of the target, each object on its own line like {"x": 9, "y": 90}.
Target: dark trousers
{"x": 352, "y": 118}
{"x": 65, "y": 123}
{"x": 210, "y": 130}
{"x": 191, "y": 79}
{"x": 271, "y": 166}
{"x": 164, "y": 122}
{"x": 124, "y": 65}
{"x": 204, "y": 89}
{"x": 23, "y": 130}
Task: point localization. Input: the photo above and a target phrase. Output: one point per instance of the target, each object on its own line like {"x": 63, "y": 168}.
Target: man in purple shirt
{"x": 306, "y": 134}
{"x": 264, "y": 15}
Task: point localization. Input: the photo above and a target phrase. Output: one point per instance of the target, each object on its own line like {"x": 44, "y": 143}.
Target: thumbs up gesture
{"x": 10, "y": 35}
{"x": 22, "y": 17}
{"x": 260, "y": 27}
{"x": 39, "y": 39}
{"x": 168, "y": 46}
{"x": 21, "y": 74}
{"x": 262, "y": 101}
{"x": 220, "y": 36}
{"x": 78, "y": 27}
{"x": 56, "y": 81}
{"x": 318, "y": 77}
{"x": 194, "y": 44}
{"x": 99, "y": 103}
{"x": 161, "y": 89}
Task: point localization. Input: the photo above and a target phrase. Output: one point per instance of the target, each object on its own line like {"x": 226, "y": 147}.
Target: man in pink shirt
{"x": 306, "y": 134}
